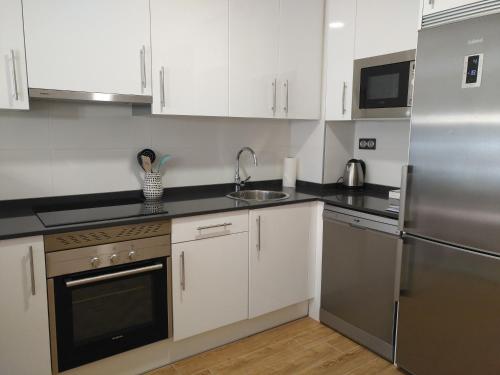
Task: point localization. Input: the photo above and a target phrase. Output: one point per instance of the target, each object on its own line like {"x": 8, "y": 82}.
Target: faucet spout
{"x": 237, "y": 179}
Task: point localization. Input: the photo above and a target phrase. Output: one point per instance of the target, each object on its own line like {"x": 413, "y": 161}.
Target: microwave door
{"x": 385, "y": 86}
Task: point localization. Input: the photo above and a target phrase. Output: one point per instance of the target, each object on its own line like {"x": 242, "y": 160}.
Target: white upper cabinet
{"x": 190, "y": 57}
{"x": 275, "y": 58}
{"x": 434, "y": 6}
{"x": 24, "y": 341}
{"x": 340, "y": 34}
{"x": 253, "y": 57}
{"x": 386, "y": 26}
{"x": 280, "y": 255}
{"x": 90, "y": 46}
{"x": 13, "y": 81}
{"x": 300, "y": 58}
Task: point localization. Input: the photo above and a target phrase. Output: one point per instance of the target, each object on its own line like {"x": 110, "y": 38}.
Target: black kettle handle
{"x": 363, "y": 166}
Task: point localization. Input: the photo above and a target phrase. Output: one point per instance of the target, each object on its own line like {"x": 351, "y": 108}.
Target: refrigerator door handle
{"x": 399, "y": 259}
{"x": 402, "y": 201}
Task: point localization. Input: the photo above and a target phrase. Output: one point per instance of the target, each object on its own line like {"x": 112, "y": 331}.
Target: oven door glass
{"x": 105, "y": 312}
{"x": 385, "y": 86}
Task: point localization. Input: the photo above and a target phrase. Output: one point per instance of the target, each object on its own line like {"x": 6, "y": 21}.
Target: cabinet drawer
{"x": 206, "y": 226}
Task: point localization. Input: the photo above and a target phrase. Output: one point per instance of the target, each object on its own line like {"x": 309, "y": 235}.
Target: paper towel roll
{"x": 289, "y": 172}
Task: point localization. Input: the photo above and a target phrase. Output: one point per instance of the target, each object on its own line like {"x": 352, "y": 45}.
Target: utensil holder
{"x": 152, "y": 187}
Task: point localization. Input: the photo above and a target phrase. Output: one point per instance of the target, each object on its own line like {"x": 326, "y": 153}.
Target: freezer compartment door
{"x": 453, "y": 190}
{"x": 449, "y": 311}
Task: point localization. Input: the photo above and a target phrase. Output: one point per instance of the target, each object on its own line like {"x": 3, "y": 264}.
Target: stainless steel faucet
{"x": 237, "y": 179}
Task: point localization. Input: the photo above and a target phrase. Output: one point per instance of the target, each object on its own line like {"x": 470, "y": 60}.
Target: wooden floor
{"x": 300, "y": 347}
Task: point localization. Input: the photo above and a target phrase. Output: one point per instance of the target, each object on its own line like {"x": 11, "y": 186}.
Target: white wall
{"x": 383, "y": 164}
{"x": 307, "y": 145}
{"x": 72, "y": 148}
{"x": 339, "y": 148}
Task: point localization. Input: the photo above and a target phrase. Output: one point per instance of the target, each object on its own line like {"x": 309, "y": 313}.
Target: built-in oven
{"x": 383, "y": 86}
{"x": 109, "y": 291}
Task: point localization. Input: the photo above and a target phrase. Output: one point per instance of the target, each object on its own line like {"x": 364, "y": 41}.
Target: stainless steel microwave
{"x": 383, "y": 86}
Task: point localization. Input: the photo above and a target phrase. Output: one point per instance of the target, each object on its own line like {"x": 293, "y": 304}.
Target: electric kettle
{"x": 354, "y": 174}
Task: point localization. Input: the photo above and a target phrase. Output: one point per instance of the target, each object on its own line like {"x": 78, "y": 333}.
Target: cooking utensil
{"x": 146, "y": 164}
{"x": 148, "y": 153}
{"x": 163, "y": 160}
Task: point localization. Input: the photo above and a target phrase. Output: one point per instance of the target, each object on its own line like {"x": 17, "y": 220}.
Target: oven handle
{"x": 109, "y": 276}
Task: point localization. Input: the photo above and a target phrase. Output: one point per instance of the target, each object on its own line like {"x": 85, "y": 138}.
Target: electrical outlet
{"x": 367, "y": 144}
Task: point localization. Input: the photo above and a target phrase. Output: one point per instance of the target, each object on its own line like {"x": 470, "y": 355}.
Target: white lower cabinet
{"x": 24, "y": 326}
{"x": 280, "y": 250}
{"x": 209, "y": 283}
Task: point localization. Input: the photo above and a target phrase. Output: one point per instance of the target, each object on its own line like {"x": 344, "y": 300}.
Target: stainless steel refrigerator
{"x": 449, "y": 304}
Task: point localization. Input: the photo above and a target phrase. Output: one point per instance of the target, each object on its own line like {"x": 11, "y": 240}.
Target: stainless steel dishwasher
{"x": 360, "y": 277}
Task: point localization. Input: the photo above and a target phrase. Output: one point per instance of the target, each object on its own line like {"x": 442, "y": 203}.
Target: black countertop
{"x": 19, "y": 218}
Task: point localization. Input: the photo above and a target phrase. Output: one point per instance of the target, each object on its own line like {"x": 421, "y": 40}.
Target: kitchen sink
{"x": 258, "y": 195}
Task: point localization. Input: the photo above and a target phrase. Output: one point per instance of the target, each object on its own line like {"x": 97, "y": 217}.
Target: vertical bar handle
{"x": 285, "y": 108}
{"x": 32, "y": 268}
{"x": 431, "y": 3}
{"x": 258, "y": 234}
{"x": 344, "y": 88}
{"x": 274, "y": 95}
{"x": 14, "y": 73}
{"x": 402, "y": 198}
{"x": 143, "y": 67}
{"x": 162, "y": 87}
{"x": 183, "y": 272}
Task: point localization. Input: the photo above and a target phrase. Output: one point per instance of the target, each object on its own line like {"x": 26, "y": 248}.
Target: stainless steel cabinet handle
{"x": 32, "y": 268}
{"x": 143, "y": 67}
{"x": 183, "y": 272}
{"x": 344, "y": 87}
{"x": 14, "y": 73}
{"x": 258, "y": 234}
{"x": 431, "y": 3}
{"x": 162, "y": 87}
{"x": 274, "y": 95}
{"x": 215, "y": 226}
{"x": 115, "y": 275}
{"x": 285, "y": 108}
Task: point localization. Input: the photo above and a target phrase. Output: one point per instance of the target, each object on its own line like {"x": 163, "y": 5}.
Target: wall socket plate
{"x": 367, "y": 143}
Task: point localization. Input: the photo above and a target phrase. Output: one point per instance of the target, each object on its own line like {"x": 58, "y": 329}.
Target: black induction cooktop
{"x": 76, "y": 215}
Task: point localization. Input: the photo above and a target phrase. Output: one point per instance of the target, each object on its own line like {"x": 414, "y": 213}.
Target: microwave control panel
{"x": 473, "y": 69}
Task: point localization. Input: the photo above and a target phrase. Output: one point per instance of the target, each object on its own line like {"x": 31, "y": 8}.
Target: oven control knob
{"x": 131, "y": 255}
{"x": 113, "y": 258}
{"x": 94, "y": 262}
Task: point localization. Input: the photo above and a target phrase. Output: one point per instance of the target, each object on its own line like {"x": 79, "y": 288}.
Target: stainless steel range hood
{"x": 88, "y": 96}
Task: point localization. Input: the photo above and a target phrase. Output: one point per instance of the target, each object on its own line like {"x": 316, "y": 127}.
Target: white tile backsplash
{"x": 384, "y": 164}
{"x": 62, "y": 148}
{"x": 25, "y": 173}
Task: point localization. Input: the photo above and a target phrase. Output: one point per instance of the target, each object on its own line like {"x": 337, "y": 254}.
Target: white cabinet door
{"x": 300, "y": 58}
{"x": 191, "y": 47}
{"x": 253, "y": 57}
{"x": 13, "y": 81}
{"x": 90, "y": 46}
{"x": 340, "y": 34}
{"x": 386, "y": 26}
{"x": 434, "y": 6}
{"x": 210, "y": 284}
{"x": 24, "y": 341}
{"x": 280, "y": 250}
